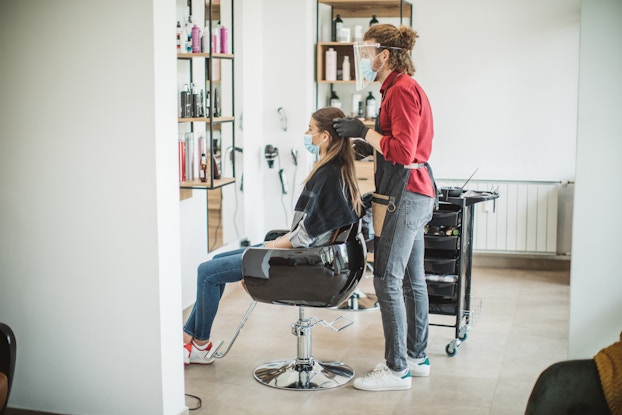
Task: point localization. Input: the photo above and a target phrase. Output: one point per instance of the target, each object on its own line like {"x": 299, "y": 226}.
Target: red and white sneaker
{"x": 192, "y": 355}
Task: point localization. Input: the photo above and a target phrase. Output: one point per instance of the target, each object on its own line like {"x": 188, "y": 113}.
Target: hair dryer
{"x": 271, "y": 152}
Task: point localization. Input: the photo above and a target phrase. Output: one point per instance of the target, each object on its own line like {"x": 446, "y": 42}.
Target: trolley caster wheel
{"x": 463, "y": 334}
{"x": 451, "y": 349}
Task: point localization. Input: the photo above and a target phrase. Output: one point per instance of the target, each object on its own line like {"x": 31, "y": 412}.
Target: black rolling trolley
{"x": 448, "y": 262}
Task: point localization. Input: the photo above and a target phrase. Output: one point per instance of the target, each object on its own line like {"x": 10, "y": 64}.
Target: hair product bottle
{"x": 331, "y": 65}
{"x": 178, "y": 37}
{"x": 216, "y": 103}
{"x": 345, "y": 68}
{"x": 370, "y": 106}
{"x": 196, "y": 39}
{"x": 334, "y": 100}
{"x": 337, "y": 25}
{"x": 203, "y": 171}
{"x": 224, "y": 39}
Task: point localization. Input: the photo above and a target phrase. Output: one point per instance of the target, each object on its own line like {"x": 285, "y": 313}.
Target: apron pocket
{"x": 380, "y": 205}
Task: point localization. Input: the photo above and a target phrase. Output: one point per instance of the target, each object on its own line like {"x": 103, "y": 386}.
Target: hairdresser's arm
{"x": 373, "y": 138}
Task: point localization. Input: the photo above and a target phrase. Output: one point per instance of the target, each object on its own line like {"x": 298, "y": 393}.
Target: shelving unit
{"x": 210, "y": 71}
{"x": 398, "y": 10}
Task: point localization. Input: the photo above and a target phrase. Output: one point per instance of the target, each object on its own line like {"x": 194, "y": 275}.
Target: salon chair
{"x": 7, "y": 364}
{"x": 320, "y": 277}
{"x": 568, "y": 387}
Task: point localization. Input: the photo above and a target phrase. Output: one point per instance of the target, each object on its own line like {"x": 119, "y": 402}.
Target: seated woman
{"x": 330, "y": 199}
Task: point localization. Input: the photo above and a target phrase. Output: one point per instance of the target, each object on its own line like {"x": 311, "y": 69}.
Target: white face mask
{"x": 364, "y": 55}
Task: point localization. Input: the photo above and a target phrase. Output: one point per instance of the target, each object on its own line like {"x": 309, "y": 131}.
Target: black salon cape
{"x": 323, "y": 201}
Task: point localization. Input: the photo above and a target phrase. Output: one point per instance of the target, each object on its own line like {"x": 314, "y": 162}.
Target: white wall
{"x": 596, "y": 281}
{"x": 502, "y": 80}
{"x": 288, "y": 82}
{"x": 89, "y": 254}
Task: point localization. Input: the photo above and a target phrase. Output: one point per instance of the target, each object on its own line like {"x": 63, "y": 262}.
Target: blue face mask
{"x": 313, "y": 148}
{"x": 368, "y": 71}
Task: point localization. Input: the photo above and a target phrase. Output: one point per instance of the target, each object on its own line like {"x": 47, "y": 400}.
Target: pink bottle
{"x": 224, "y": 38}
{"x": 196, "y": 39}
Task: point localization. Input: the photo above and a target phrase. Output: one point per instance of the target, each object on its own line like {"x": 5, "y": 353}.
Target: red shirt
{"x": 407, "y": 128}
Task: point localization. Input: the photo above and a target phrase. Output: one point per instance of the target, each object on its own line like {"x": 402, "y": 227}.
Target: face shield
{"x": 364, "y": 54}
{"x": 363, "y": 72}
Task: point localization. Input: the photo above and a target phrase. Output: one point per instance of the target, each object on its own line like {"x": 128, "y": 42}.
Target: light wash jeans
{"x": 403, "y": 293}
{"x": 212, "y": 276}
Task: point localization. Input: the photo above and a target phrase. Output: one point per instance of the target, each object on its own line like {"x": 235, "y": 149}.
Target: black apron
{"x": 391, "y": 180}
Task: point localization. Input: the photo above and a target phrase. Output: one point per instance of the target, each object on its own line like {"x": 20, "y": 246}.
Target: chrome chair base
{"x": 291, "y": 375}
{"x": 360, "y": 301}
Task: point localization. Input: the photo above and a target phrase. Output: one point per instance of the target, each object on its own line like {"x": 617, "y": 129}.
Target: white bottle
{"x": 206, "y": 37}
{"x": 331, "y": 65}
{"x": 345, "y": 68}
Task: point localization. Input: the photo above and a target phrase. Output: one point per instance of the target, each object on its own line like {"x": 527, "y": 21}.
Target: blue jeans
{"x": 403, "y": 293}
{"x": 212, "y": 276}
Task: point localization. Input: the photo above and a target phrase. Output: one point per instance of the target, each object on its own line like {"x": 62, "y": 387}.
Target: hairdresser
{"x": 403, "y": 203}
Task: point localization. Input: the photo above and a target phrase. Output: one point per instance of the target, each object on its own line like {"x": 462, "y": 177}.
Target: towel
{"x": 609, "y": 363}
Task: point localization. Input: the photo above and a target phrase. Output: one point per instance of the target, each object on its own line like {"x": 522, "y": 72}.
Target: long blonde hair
{"x": 340, "y": 148}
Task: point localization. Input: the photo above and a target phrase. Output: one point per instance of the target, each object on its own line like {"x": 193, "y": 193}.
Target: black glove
{"x": 350, "y": 127}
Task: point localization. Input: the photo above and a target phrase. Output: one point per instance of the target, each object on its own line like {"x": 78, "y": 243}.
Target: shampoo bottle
{"x": 196, "y": 39}
{"x": 224, "y": 39}
{"x": 334, "y": 100}
{"x": 370, "y": 106}
{"x": 345, "y": 68}
{"x": 337, "y": 25}
{"x": 331, "y": 65}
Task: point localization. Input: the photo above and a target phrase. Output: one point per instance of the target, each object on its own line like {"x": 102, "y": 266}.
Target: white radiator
{"x": 523, "y": 219}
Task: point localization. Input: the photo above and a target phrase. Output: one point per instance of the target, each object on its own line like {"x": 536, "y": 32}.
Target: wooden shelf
{"x": 217, "y": 120}
{"x": 197, "y": 184}
{"x": 205, "y": 55}
{"x": 367, "y": 8}
{"x": 342, "y": 49}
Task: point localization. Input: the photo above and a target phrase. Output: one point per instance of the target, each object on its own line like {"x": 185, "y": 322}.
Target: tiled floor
{"x": 522, "y": 329}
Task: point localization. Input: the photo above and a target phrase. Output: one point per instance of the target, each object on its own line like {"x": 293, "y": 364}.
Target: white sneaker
{"x": 383, "y": 379}
{"x": 193, "y": 355}
{"x": 420, "y": 366}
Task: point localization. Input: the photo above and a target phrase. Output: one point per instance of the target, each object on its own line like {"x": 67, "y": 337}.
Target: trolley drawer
{"x": 442, "y": 289}
{"x": 442, "y": 307}
{"x": 445, "y": 218}
{"x": 441, "y": 242}
{"x": 440, "y": 265}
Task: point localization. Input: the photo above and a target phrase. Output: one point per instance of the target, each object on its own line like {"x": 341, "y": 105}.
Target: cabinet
{"x": 448, "y": 261}
{"x": 353, "y": 13}
{"x": 202, "y": 129}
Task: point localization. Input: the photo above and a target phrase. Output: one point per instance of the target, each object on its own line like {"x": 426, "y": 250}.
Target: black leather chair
{"x": 568, "y": 387}
{"x": 8, "y": 349}
{"x": 322, "y": 277}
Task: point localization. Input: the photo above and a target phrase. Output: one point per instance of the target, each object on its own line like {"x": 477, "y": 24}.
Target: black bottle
{"x": 370, "y": 107}
{"x": 183, "y": 102}
{"x": 373, "y": 21}
{"x": 334, "y": 100}
{"x": 337, "y": 25}
{"x": 216, "y": 103}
